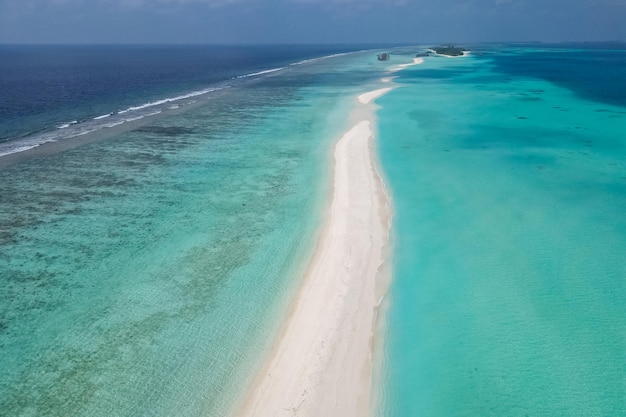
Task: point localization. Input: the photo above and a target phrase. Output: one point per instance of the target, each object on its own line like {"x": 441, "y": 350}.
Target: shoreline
{"x": 322, "y": 361}
{"x": 400, "y": 67}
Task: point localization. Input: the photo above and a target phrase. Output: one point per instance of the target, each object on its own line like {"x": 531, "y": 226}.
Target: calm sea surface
{"x": 145, "y": 273}
{"x": 508, "y": 175}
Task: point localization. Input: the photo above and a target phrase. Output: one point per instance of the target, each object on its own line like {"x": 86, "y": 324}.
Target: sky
{"x": 309, "y": 21}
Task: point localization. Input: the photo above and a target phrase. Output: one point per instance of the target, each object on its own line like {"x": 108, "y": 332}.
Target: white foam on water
{"x": 76, "y": 128}
{"x": 17, "y": 149}
{"x": 84, "y": 132}
{"x": 8, "y": 148}
{"x": 114, "y": 124}
{"x": 132, "y": 119}
{"x": 170, "y": 99}
{"x": 254, "y": 74}
{"x": 68, "y": 124}
{"x": 306, "y": 61}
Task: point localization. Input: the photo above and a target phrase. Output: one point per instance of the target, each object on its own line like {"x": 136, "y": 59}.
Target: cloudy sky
{"x": 309, "y": 21}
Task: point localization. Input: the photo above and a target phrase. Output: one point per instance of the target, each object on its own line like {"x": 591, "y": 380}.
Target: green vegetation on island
{"x": 449, "y": 50}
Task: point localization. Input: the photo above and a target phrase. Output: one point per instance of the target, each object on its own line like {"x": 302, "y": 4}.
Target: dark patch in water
{"x": 485, "y": 79}
{"x": 526, "y": 138}
{"x": 427, "y": 119}
{"x": 522, "y": 118}
{"x": 573, "y": 70}
{"x": 533, "y": 160}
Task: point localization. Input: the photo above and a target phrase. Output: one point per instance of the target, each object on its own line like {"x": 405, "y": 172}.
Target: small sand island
{"x": 321, "y": 365}
{"x": 448, "y": 50}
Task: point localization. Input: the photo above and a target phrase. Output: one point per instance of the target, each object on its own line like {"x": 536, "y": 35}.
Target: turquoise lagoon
{"x": 146, "y": 274}
{"x": 508, "y": 179}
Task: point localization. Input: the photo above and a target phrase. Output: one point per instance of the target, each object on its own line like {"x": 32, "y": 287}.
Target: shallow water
{"x": 509, "y": 277}
{"x": 146, "y": 274}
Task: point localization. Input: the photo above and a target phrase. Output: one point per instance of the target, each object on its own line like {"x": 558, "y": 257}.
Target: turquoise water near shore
{"x": 509, "y": 193}
{"x": 146, "y": 274}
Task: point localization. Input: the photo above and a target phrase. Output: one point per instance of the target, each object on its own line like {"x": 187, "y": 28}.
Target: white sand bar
{"x": 372, "y": 95}
{"x": 321, "y": 365}
{"x": 416, "y": 61}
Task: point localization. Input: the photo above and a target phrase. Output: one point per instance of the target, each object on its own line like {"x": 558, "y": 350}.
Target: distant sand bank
{"x": 321, "y": 364}
{"x": 416, "y": 61}
{"x": 367, "y": 98}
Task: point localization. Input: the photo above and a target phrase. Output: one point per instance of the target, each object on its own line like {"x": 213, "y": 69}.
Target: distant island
{"x": 449, "y": 50}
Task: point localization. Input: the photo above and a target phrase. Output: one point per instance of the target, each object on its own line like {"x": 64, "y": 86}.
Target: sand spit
{"x": 416, "y": 61}
{"x": 367, "y": 98}
{"x": 321, "y": 364}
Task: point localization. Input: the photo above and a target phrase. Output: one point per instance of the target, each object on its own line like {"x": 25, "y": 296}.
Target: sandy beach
{"x": 367, "y": 98}
{"x": 321, "y": 364}
{"x": 416, "y": 61}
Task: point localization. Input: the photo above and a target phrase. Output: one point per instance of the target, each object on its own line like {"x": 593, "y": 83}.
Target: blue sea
{"x": 507, "y": 170}
{"x": 160, "y": 203}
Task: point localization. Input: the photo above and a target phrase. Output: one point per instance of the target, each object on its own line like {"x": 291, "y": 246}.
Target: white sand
{"x": 416, "y": 61}
{"x": 372, "y": 95}
{"x": 387, "y": 79}
{"x": 321, "y": 364}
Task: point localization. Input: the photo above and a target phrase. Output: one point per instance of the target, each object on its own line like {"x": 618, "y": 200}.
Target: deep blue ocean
{"x": 52, "y": 92}
{"x": 145, "y": 271}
